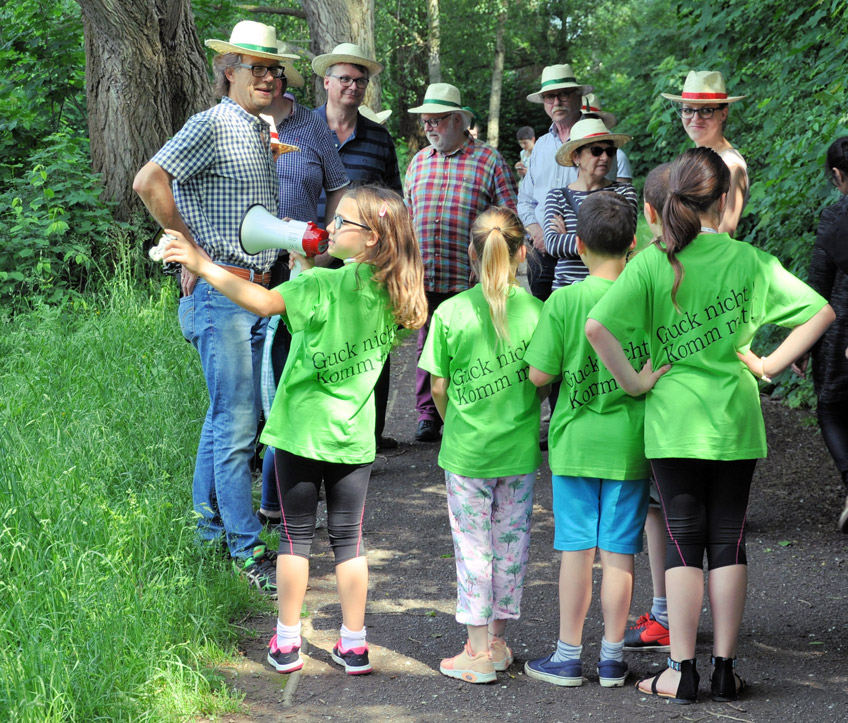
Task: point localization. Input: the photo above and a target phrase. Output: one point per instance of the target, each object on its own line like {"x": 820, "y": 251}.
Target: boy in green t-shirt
{"x": 597, "y": 452}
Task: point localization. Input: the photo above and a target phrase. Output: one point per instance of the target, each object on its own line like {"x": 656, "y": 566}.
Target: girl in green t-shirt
{"x": 344, "y": 322}
{"x": 490, "y": 447}
{"x": 701, "y": 296}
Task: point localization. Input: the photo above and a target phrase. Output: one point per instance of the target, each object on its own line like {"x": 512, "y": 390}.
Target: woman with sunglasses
{"x": 703, "y": 110}
{"x": 591, "y": 149}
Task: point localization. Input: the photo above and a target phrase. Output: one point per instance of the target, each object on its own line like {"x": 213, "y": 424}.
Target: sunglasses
{"x": 562, "y": 95}
{"x": 598, "y": 151}
{"x": 339, "y": 221}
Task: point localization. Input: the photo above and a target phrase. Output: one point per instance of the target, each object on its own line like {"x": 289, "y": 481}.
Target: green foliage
{"x": 108, "y": 610}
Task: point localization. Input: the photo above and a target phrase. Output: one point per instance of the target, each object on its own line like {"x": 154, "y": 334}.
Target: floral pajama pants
{"x": 490, "y": 522}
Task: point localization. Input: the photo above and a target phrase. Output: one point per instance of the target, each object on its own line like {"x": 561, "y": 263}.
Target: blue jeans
{"x": 229, "y": 341}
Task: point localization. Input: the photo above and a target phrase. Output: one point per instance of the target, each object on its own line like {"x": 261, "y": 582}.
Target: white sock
{"x": 288, "y": 635}
{"x": 351, "y": 639}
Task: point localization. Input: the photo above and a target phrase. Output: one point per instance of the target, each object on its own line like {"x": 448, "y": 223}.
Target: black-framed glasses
{"x": 346, "y": 81}
{"x": 339, "y": 221}
{"x": 705, "y": 113}
{"x": 598, "y": 151}
{"x": 563, "y": 95}
{"x": 260, "y": 71}
{"x": 434, "y": 122}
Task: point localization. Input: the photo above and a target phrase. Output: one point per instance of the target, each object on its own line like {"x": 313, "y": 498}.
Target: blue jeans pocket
{"x": 186, "y": 314}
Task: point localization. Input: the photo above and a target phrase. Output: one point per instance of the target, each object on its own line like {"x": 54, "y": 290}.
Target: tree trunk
{"x": 493, "y": 128}
{"x": 434, "y": 62}
{"x": 146, "y": 73}
{"x": 342, "y": 21}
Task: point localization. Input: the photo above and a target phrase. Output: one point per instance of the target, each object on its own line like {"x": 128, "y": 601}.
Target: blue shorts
{"x": 592, "y": 512}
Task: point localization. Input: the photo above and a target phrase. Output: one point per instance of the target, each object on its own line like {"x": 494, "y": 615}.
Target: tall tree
{"x": 146, "y": 73}
{"x": 342, "y": 21}
{"x": 434, "y": 63}
{"x": 493, "y": 128}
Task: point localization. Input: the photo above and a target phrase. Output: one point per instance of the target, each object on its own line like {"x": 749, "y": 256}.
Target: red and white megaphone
{"x": 261, "y": 230}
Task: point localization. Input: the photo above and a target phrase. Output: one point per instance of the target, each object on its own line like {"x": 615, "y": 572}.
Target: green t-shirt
{"x": 597, "y": 429}
{"x": 492, "y": 421}
{"x": 707, "y": 406}
{"x": 342, "y": 331}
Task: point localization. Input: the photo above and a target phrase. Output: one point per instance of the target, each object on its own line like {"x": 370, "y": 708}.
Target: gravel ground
{"x": 794, "y": 640}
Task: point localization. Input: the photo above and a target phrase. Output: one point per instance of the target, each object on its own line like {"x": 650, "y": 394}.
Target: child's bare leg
{"x": 478, "y": 636}
{"x": 352, "y": 584}
{"x": 575, "y": 593}
{"x": 292, "y": 576}
{"x": 727, "y": 587}
{"x": 616, "y": 592}
{"x": 655, "y": 536}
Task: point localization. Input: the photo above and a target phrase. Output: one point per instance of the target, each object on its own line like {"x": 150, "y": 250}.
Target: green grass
{"x": 108, "y": 609}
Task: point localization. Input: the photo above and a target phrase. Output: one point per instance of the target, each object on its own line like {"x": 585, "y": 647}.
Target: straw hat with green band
{"x": 558, "y": 77}
{"x": 442, "y": 98}
{"x": 251, "y": 38}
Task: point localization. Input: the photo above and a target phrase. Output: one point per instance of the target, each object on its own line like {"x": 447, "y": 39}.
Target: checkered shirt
{"x": 222, "y": 165}
{"x": 445, "y": 193}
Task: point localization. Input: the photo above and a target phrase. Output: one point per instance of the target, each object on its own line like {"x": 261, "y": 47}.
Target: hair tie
{"x": 383, "y": 209}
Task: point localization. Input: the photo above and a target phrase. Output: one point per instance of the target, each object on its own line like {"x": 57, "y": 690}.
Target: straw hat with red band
{"x": 251, "y": 38}
{"x": 703, "y": 86}
{"x": 558, "y": 77}
{"x": 591, "y": 105}
{"x": 584, "y": 133}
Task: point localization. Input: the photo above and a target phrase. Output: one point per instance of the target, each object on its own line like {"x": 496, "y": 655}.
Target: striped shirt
{"x": 222, "y": 165}
{"x": 305, "y": 175}
{"x": 563, "y": 247}
{"x": 445, "y": 193}
{"x": 368, "y": 155}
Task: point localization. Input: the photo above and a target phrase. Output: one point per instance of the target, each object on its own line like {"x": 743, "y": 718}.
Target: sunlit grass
{"x": 108, "y": 609}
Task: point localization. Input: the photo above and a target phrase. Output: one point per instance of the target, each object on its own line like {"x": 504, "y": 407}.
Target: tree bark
{"x": 493, "y": 128}
{"x": 342, "y": 21}
{"x": 146, "y": 73}
{"x": 434, "y": 62}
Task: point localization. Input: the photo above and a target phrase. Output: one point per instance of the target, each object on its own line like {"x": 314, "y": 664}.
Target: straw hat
{"x": 346, "y": 53}
{"x": 442, "y": 98}
{"x": 380, "y": 117}
{"x": 591, "y": 105}
{"x": 703, "y": 86}
{"x": 251, "y": 38}
{"x": 556, "y": 77}
{"x": 295, "y": 79}
{"x": 584, "y": 132}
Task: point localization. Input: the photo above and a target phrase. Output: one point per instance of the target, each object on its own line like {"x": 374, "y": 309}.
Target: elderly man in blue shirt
{"x": 200, "y": 183}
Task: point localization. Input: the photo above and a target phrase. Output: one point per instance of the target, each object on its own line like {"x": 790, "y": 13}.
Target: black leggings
{"x": 345, "y": 485}
{"x": 833, "y": 420}
{"x": 704, "y": 503}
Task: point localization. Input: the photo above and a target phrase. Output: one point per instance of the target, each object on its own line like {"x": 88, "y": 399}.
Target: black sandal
{"x": 723, "y": 688}
{"x": 687, "y": 689}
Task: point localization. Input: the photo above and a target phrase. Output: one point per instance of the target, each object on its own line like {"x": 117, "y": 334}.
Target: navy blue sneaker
{"x": 612, "y": 673}
{"x": 284, "y": 661}
{"x": 355, "y": 660}
{"x": 567, "y": 673}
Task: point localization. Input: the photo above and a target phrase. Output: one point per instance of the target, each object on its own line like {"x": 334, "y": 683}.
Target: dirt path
{"x": 794, "y": 641}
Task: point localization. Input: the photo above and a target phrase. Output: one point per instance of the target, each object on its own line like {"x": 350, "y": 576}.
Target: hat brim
{"x": 294, "y": 78}
{"x": 537, "y": 97}
{"x": 701, "y": 101}
{"x": 437, "y": 108}
{"x": 222, "y": 46}
{"x": 563, "y": 155}
{"x": 321, "y": 62}
{"x": 609, "y": 119}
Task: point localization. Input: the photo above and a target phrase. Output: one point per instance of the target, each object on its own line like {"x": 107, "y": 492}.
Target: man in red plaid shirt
{"x": 448, "y": 184}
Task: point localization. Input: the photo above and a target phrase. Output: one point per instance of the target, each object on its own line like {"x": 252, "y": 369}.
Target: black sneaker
{"x": 428, "y": 431}
{"x": 355, "y": 660}
{"x": 260, "y": 569}
{"x": 284, "y": 662}
{"x": 384, "y": 443}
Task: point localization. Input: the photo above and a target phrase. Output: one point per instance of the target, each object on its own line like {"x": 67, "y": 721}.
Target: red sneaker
{"x": 647, "y": 634}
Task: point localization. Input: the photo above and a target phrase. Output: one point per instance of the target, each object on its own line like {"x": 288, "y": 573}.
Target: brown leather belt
{"x": 249, "y": 274}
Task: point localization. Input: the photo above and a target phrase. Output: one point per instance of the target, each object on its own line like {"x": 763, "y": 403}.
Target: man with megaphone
{"x": 220, "y": 164}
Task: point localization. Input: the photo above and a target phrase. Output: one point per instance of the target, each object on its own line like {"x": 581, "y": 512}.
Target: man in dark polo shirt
{"x": 366, "y": 149}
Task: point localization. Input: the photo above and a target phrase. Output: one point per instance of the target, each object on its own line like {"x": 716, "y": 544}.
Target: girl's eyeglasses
{"x": 705, "y": 113}
{"x": 339, "y": 221}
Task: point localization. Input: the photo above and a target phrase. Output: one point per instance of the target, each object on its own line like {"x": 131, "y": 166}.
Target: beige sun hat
{"x": 555, "y": 77}
{"x": 703, "y": 86}
{"x": 346, "y": 53}
{"x": 251, "y": 38}
{"x": 380, "y": 117}
{"x": 585, "y": 132}
{"x": 442, "y": 98}
{"x": 294, "y": 78}
{"x": 592, "y": 105}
